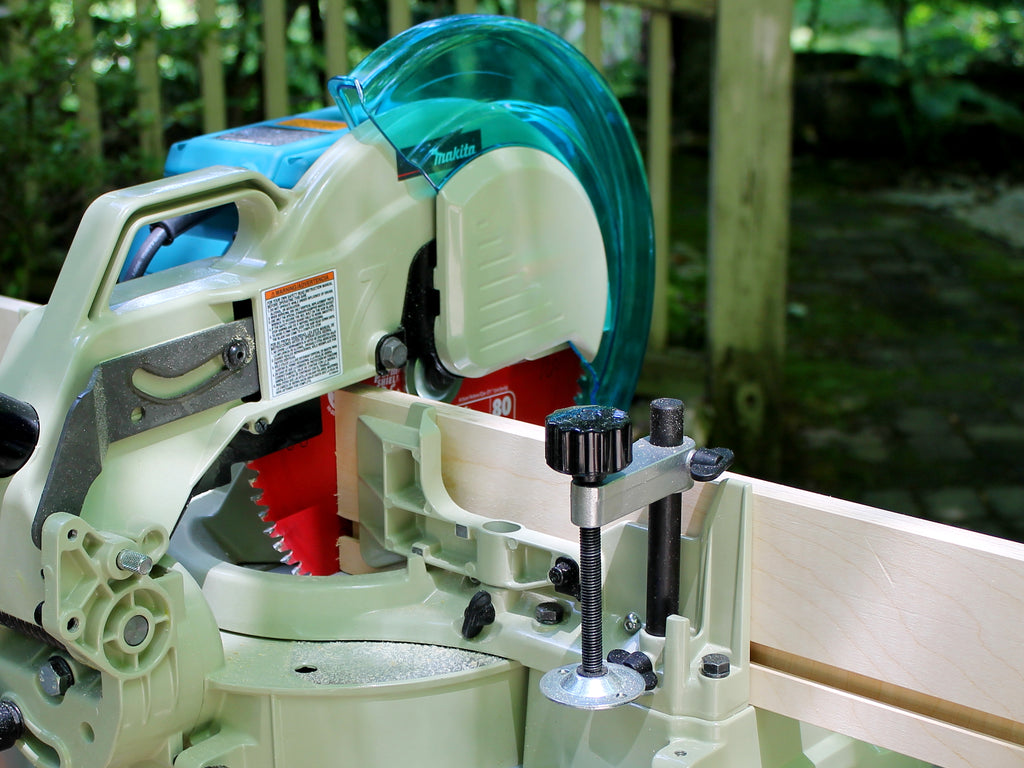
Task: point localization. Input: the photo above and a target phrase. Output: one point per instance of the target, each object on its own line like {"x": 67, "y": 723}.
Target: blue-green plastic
{"x": 448, "y": 90}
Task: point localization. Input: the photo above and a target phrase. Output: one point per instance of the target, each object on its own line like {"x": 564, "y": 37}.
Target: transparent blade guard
{"x": 448, "y": 91}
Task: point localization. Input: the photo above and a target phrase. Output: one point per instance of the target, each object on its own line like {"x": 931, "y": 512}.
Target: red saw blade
{"x": 300, "y": 483}
{"x": 300, "y": 494}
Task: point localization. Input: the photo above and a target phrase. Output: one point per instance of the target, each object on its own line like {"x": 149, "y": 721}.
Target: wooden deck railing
{"x": 748, "y": 207}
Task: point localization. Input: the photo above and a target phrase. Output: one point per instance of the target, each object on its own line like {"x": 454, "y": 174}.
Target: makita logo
{"x": 439, "y": 154}
{"x": 461, "y": 152}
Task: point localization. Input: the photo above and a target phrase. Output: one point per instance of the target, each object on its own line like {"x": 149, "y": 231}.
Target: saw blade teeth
{"x": 279, "y": 545}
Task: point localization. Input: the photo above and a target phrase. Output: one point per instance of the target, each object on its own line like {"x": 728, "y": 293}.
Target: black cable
{"x": 163, "y": 233}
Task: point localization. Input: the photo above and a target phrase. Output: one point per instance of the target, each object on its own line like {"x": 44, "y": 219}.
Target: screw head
{"x": 55, "y": 676}
{"x": 549, "y": 613}
{"x": 260, "y": 426}
{"x": 632, "y": 623}
{"x": 715, "y": 666}
{"x": 392, "y": 353}
{"x": 236, "y": 354}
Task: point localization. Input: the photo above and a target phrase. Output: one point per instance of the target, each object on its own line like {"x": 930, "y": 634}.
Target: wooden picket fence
{"x": 748, "y": 210}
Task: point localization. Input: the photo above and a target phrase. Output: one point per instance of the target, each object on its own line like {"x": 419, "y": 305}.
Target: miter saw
{"x": 474, "y": 201}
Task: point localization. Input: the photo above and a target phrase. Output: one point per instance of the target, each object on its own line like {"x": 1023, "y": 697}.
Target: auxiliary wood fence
{"x": 749, "y": 185}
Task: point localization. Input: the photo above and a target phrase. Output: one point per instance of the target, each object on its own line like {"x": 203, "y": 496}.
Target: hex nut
{"x": 549, "y": 613}
{"x": 715, "y": 666}
{"x": 55, "y": 676}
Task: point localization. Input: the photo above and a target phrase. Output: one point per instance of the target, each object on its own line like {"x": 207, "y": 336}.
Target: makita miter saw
{"x": 475, "y": 201}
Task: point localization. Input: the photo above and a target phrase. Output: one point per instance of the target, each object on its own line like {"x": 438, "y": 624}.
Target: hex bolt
{"x": 55, "y": 676}
{"x": 12, "y": 724}
{"x": 392, "y": 353}
{"x": 632, "y": 623}
{"x": 235, "y": 354}
{"x": 135, "y": 562}
{"x": 715, "y": 666}
{"x": 549, "y": 613}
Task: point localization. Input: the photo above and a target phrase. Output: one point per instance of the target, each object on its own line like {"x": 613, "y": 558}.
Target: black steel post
{"x": 664, "y": 523}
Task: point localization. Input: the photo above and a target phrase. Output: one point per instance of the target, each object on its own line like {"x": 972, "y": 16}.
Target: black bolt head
{"x": 55, "y": 676}
{"x": 549, "y": 613}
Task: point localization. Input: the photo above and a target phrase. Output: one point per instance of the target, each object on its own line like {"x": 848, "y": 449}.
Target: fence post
{"x": 147, "y": 81}
{"x": 749, "y": 227}
{"x": 659, "y": 159}
{"x": 528, "y": 10}
{"x": 592, "y": 44}
{"x": 275, "y": 79}
{"x": 211, "y": 69}
{"x": 85, "y": 82}
{"x": 399, "y": 16}
{"x": 336, "y": 37}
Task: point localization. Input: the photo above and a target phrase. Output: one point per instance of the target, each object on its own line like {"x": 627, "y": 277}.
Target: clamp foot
{"x": 617, "y": 686}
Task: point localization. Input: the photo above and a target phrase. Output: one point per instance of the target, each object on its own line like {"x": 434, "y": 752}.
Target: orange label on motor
{"x": 316, "y": 125}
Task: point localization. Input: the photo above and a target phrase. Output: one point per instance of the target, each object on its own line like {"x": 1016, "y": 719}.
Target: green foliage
{"x": 930, "y": 57}
{"x": 47, "y": 178}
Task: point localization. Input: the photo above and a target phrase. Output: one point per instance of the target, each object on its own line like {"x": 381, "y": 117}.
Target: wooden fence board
{"x": 211, "y": 70}
{"x": 659, "y": 166}
{"x": 903, "y": 632}
{"x": 336, "y": 37}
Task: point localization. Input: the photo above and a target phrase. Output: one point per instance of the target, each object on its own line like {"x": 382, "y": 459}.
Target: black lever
{"x": 708, "y": 464}
{"x": 19, "y": 433}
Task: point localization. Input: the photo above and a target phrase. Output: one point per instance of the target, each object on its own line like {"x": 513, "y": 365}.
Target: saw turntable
{"x": 474, "y": 200}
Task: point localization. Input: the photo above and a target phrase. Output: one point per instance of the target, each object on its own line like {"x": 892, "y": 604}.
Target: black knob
{"x": 588, "y": 441}
{"x": 19, "y": 433}
{"x": 11, "y": 724}
{"x": 478, "y": 614}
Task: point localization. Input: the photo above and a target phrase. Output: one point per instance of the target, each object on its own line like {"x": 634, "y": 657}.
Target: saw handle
{"x": 110, "y": 224}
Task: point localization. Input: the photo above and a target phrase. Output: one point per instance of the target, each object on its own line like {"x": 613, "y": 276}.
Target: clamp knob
{"x": 588, "y": 442}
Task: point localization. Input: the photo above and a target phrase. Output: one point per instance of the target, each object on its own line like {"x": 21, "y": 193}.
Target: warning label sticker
{"x": 301, "y": 324}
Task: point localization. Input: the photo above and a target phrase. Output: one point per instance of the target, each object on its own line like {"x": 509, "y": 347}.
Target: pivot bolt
{"x": 134, "y": 562}
{"x": 392, "y": 354}
{"x": 55, "y": 676}
{"x": 235, "y": 354}
{"x": 715, "y": 666}
{"x": 136, "y": 630}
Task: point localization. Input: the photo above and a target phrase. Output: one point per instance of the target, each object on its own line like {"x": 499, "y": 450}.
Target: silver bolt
{"x": 55, "y": 676}
{"x": 715, "y": 665}
{"x": 260, "y": 426}
{"x": 632, "y": 623}
{"x": 135, "y": 562}
{"x": 136, "y": 629}
{"x": 392, "y": 353}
